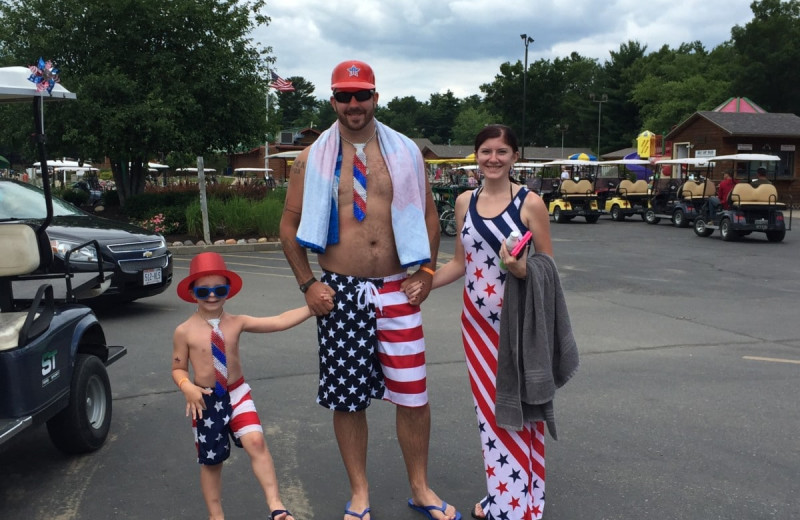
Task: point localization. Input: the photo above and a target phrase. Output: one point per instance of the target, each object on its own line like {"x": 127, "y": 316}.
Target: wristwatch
{"x": 304, "y": 286}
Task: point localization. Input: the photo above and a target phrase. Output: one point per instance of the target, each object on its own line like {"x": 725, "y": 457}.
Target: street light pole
{"x": 563, "y": 128}
{"x": 602, "y": 99}
{"x": 525, "y": 40}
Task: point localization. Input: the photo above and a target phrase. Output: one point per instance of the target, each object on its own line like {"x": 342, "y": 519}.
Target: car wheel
{"x": 700, "y": 228}
{"x": 558, "y": 216}
{"x": 616, "y": 214}
{"x": 650, "y": 217}
{"x": 727, "y": 231}
{"x": 448, "y": 222}
{"x": 592, "y": 219}
{"x": 84, "y": 424}
{"x": 679, "y": 219}
{"x": 776, "y": 236}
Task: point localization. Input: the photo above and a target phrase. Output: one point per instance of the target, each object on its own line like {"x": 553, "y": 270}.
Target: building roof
{"x": 746, "y": 124}
{"x": 740, "y": 104}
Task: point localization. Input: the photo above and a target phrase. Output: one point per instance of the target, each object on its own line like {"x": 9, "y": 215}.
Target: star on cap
{"x": 354, "y": 71}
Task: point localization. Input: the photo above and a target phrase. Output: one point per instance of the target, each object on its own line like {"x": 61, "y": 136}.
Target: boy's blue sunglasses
{"x": 203, "y": 293}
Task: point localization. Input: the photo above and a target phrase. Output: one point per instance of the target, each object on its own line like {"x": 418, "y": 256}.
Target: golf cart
{"x": 680, "y": 196}
{"x": 748, "y": 208}
{"x": 53, "y": 352}
{"x": 623, "y": 197}
{"x": 575, "y": 197}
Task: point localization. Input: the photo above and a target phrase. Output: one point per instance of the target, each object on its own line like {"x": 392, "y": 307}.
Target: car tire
{"x": 616, "y": 213}
{"x": 679, "y": 219}
{"x": 592, "y": 219}
{"x": 558, "y": 216}
{"x": 726, "y": 230}
{"x": 84, "y": 424}
{"x": 650, "y": 217}
{"x": 700, "y": 228}
{"x": 776, "y": 235}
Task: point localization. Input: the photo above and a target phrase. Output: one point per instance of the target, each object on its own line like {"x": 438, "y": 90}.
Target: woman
{"x": 513, "y": 460}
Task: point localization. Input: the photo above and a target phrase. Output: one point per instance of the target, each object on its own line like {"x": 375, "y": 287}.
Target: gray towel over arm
{"x": 537, "y": 352}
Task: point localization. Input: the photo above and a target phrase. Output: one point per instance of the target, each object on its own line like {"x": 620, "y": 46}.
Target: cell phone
{"x": 517, "y": 251}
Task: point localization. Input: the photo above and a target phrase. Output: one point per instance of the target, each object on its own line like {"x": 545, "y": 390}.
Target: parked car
{"x": 137, "y": 260}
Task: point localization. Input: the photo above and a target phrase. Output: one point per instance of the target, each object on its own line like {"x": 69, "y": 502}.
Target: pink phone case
{"x": 521, "y": 244}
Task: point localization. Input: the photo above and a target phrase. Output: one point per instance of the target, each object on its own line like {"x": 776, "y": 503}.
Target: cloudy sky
{"x": 421, "y": 47}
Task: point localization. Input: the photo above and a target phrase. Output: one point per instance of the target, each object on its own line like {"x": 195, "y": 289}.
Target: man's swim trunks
{"x": 370, "y": 345}
{"x": 231, "y": 414}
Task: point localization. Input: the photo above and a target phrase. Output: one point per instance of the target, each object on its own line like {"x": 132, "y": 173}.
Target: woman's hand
{"x": 516, "y": 266}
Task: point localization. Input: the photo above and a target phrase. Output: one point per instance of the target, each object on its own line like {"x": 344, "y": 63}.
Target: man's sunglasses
{"x": 360, "y": 95}
{"x": 203, "y": 293}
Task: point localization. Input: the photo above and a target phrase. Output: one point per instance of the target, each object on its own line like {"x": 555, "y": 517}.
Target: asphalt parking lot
{"x": 685, "y": 405}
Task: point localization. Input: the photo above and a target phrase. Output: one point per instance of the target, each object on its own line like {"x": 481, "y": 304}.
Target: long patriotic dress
{"x": 513, "y": 461}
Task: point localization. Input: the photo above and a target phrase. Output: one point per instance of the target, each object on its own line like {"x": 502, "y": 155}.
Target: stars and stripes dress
{"x": 513, "y": 461}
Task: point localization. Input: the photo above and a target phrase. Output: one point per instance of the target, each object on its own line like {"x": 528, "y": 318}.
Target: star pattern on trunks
{"x": 347, "y": 339}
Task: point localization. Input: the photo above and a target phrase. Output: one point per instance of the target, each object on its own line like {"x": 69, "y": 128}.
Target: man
{"x": 360, "y": 199}
{"x": 761, "y": 177}
{"x": 565, "y": 173}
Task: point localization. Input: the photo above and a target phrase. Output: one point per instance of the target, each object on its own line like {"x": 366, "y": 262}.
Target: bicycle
{"x": 444, "y": 197}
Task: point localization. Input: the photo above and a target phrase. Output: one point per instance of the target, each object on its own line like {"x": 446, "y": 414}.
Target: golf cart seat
{"x": 744, "y": 195}
{"x": 630, "y": 189}
{"x": 582, "y": 188}
{"x": 694, "y": 190}
{"x": 22, "y": 256}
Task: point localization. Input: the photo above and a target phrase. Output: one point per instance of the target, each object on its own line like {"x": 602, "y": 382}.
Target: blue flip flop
{"x": 426, "y": 510}
{"x": 353, "y": 513}
{"x": 277, "y": 512}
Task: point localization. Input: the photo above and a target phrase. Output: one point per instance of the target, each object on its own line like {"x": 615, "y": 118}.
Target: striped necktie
{"x": 218, "y": 354}
{"x": 360, "y": 182}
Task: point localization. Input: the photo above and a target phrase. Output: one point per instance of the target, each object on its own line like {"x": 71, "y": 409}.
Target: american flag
{"x": 280, "y": 84}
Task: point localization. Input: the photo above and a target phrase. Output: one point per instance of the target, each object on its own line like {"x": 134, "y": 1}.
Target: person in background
{"x": 761, "y": 177}
{"x": 724, "y": 189}
{"x": 371, "y": 344}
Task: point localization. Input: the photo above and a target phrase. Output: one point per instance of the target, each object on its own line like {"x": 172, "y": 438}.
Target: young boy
{"x": 218, "y": 399}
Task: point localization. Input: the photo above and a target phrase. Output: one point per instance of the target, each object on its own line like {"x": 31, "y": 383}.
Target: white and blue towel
{"x": 319, "y": 223}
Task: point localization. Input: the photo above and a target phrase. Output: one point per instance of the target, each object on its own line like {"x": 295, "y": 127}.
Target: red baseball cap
{"x": 352, "y": 75}
{"x": 206, "y": 264}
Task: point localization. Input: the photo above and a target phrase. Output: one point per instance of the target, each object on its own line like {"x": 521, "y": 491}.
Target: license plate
{"x": 151, "y": 276}
{"x": 761, "y": 223}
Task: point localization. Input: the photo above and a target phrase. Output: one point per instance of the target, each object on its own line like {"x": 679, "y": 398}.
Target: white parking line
{"x": 772, "y": 360}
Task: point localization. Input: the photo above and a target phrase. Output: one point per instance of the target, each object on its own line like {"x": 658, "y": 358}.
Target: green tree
{"x": 298, "y": 108}
{"x": 152, "y": 77}
{"x": 402, "y": 114}
{"x": 469, "y": 121}
{"x": 767, "y": 54}
{"x": 678, "y": 83}
{"x": 621, "y": 121}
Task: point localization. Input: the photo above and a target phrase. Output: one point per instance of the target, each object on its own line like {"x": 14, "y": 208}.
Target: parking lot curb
{"x": 225, "y": 248}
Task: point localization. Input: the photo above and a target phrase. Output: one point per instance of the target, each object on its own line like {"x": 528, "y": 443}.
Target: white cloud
{"x": 421, "y": 47}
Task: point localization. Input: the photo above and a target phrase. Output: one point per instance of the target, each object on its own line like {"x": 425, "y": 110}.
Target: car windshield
{"x": 24, "y": 201}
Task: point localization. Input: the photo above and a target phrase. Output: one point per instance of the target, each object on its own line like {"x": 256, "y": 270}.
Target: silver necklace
{"x": 360, "y": 146}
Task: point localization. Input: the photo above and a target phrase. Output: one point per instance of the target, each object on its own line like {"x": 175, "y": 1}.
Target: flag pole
{"x": 266, "y": 137}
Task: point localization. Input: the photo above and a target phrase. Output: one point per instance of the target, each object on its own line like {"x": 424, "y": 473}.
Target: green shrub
{"x": 267, "y": 217}
{"x": 76, "y": 197}
{"x": 111, "y": 198}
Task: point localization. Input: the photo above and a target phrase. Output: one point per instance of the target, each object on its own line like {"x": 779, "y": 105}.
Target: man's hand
{"x": 319, "y": 298}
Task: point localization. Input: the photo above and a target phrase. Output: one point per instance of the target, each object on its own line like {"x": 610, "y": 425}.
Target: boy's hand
{"x": 194, "y": 400}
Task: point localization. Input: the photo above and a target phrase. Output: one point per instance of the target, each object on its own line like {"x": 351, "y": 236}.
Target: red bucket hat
{"x": 352, "y": 75}
{"x": 206, "y": 264}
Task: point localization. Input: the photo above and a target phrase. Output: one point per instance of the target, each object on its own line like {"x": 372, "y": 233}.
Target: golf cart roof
{"x": 694, "y": 161}
{"x": 625, "y": 161}
{"x": 745, "y": 157}
{"x": 15, "y": 86}
{"x": 529, "y": 165}
{"x": 252, "y": 170}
